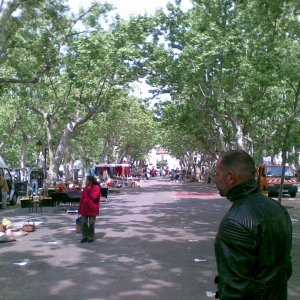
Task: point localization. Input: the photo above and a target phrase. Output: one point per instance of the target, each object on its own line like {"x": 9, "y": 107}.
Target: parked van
{"x": 11, "y": 195}
{"x": 269, "y": 179}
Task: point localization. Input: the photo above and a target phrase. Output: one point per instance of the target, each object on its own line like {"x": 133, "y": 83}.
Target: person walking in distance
{"x": 89, "y": 207}
{"x": 4, "y": 189}
{"x": 253, "y": 242}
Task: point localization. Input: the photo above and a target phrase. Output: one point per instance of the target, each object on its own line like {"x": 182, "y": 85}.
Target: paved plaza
{"x": 152, "y": 243}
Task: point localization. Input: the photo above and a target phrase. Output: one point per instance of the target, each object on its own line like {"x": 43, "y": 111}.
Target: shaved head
{"x": 239, "y": 161}
{"x": 233, "y": 167}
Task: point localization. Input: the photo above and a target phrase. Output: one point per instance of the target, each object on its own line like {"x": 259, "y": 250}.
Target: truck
{"x": 12, "y": 195}
{"x": 269, "y": 179}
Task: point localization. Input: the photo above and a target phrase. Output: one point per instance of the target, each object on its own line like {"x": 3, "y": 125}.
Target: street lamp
{"x": 40, "y": 147}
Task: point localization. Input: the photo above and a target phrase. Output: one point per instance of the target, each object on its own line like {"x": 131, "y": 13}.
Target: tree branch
{"x": 47, "y": 65}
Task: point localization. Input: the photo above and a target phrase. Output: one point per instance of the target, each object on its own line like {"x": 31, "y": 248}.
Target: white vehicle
{"x": 11, "y": 195}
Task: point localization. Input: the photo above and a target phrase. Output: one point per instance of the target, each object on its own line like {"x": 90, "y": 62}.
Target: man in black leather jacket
{"x": 253, "y": 243}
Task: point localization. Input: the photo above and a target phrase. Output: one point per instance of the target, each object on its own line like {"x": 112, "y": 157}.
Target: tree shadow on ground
{"x": 149, "y": 245}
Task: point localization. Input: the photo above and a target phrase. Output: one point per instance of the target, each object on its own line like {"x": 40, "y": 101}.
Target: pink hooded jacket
{"x": 90, "y": 201}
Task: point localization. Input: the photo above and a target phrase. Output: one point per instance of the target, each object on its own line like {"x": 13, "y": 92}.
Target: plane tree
{"x": 29, "y": 31}
{"x": 227, "y": 68}
{"x": 127, "y": 130}
{"x": 31, "y": 35}
{"x": 81, "y": 70}
{"x": 90, "y": 77}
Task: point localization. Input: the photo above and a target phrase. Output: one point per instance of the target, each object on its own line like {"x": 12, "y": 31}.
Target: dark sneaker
{"x": 83, "y": 240}
{"x": 90, "y": 240}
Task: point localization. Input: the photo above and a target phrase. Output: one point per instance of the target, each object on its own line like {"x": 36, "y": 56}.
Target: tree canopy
{"x": 230, "y": 70}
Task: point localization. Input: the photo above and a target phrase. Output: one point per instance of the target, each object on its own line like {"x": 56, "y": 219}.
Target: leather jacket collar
{"x": 242, "y": 190}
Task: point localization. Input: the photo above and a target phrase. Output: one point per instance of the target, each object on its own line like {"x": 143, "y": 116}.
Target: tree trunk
{"x": 56, "y": 157}
{"x": 239, "y": 135}
{"x": 69, "y": 163}
{"x": 23, "y": 155}
{"x": 284, "y": 151}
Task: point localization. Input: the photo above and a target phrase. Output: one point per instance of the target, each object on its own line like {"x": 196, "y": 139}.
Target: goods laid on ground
{"x": 10, "y": 232}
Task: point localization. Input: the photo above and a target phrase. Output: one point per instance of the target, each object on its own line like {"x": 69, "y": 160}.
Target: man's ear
{"x": 232, "y": 177}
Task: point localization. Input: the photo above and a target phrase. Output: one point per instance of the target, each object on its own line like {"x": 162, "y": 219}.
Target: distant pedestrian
{"x": 253, "y": 243}
{"x": 35, "y": 186}
{"x": 177, "y": 175}
{"x": 172, "y": 175}
{"x": 89, "y": 207}
{"x": 153, "y": 172}
{"x": 4, "y": 190}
